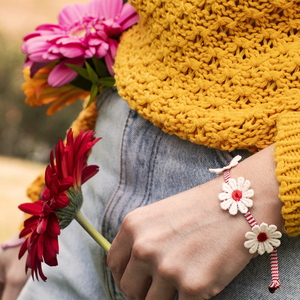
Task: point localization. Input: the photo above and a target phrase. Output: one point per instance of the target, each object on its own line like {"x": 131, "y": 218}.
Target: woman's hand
{"x": 12, "y": 272}
{"x": 187, "y": 243}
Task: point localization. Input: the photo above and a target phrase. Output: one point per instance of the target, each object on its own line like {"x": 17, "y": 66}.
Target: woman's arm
{"x": 187, "y": 243}
{"x": 12, "y": 271}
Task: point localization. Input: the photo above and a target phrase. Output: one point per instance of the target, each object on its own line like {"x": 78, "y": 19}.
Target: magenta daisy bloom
{"x": 60, "y": 201}
{"x": 83, "y": 31}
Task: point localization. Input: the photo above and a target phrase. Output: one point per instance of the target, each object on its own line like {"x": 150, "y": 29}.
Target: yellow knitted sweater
{"x": 224, "y": 74}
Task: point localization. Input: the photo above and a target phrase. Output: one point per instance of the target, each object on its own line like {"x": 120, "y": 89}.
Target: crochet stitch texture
{"x": 217, "y": 72}
{"x": 224, "y": 74}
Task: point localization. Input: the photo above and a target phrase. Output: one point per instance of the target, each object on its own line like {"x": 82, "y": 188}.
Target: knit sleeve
{"x": 287, "y": 157}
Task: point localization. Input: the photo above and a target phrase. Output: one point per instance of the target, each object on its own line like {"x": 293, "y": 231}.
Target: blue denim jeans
{"x": 140, "y": 164}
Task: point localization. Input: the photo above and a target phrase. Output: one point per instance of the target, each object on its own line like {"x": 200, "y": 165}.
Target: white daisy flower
{"x": 262, "y": 238}
{"x": 236, "y": 196}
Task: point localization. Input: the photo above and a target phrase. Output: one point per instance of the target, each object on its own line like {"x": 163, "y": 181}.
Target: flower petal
{"x": 251, "y": 235}
{"x": 264, "y": 227}
{"x": 268, "y": 246}
{"x": 111, "y": 9}
{"x": 62, "y": 74}
{"x": 248, "y": 194}
{"x": 233, "y": 208}
{"x": 275, "y": 235}
{"x": 272, "y": 228}
{"x": 72, "y": 14}
{"x": 253, "y": 249}
{"x": 232, "y": 184}
{"x": 226, "y": 204}
{"x": 261, "y": 249}
{"x": 250, "y": 243}
{"x": 226, "y": 188}
{"x": 128, "y": 16}
{"x": 224, "y": 196}
{"x": 256, "y": 230}
{"x": 240, "y": 183}
{"x": 241, "y": 206}
{"x": 247, "y": 202}
{"x": 34, "y": 208}
{"x": 274, "y": 242}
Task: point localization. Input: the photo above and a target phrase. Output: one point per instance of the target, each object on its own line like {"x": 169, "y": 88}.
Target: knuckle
{"x": 216, "y": 290}
{"x": 128, "y": 223}
{"x": 191, "y": 287}
{"x": 167, "y": 270}
{"x": 131, "y": 222}
{"x": 142, "y": 251}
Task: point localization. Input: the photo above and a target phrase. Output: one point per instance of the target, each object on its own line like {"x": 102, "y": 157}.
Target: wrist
{"x": 259, "y": 169}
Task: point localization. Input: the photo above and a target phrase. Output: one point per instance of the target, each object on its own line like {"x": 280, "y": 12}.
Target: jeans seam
{"x": 150, "y": 174}
{"x": 110, "y": 287}
{"x": 110, "y": 202}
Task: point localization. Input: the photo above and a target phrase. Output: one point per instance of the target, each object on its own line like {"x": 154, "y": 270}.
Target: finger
{"x": 136, "y": 280}
{"x": 11, "y": 292}
{"x": 161, "y": 290}
{"x": 119, "y": 255}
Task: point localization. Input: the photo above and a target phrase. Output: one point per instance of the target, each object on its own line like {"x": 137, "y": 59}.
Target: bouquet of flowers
{"x": 65, "y": 62}
{"x": 74, "y": 58}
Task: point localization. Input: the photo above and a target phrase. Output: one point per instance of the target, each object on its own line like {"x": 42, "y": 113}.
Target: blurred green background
{"x": 27, "y": 132}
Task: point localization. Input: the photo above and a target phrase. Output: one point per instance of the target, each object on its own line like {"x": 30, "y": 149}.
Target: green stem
{"x": 92, "y": 231}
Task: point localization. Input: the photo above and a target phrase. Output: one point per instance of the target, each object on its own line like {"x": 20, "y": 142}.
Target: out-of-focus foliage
{"x": 24, "y": 131}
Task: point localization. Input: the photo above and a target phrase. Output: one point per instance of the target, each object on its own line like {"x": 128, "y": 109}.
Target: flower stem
{"x": 92, "y": 231}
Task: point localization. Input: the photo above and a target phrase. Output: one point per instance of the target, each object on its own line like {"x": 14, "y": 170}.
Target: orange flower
{"x": 38, "y": 92}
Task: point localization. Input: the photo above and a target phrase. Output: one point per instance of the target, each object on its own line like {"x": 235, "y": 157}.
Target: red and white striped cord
{"x": 15, "y": 244}
{"x": 275, "y": 284}
{"x": 252, "y": 222}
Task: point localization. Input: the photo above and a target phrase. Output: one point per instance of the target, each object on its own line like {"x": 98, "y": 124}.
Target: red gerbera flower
{"x": 60, "y": 200}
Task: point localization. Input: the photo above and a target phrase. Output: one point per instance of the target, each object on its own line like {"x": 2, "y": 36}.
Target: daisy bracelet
{"x": 263, "y": 238}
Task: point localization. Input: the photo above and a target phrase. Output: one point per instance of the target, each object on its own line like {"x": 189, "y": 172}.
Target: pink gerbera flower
{"x": 60, "y": 200}
{"x": 83, "y": 31}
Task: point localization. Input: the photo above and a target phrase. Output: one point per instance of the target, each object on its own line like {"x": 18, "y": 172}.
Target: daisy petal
{"x": 268, "y": 247}
{"x": 246, "y": 185}
{"x": 240, "y": 183}
{"x": 248, "y": 194}
{"x": 256, "y": 229}
{"x": 264, "y": 227}
{"x": 226, "y": 204}
{"x": 224, "y": 196}
{"x": 261, "y": 249}
{"x": 275, "y": 235}
{"x": 247, "y": 202}
{"x": 241, "y": 206}
{"x": 272, "y": 228}
{"x": 274, "y": 242}
{"x": 250, "y": 243}
{"x": 232, "y": 184}
{"x": 226, "y": 188}
{"x": 253, "y": 249}
{"x": 233, "y": 209}
{"x": 250, "y": 235}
